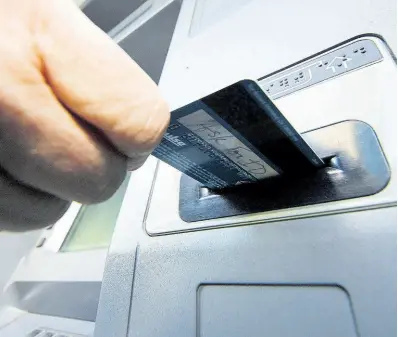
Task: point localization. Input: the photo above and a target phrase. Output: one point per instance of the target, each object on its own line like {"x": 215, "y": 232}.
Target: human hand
{"x": 75, "y": 112}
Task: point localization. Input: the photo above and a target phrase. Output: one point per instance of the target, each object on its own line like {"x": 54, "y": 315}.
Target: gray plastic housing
{"x": 317, "y": 270}
{"x": 331, "y": 274}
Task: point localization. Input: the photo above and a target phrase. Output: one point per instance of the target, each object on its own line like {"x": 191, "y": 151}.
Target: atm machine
{"x": 308, "y": 259}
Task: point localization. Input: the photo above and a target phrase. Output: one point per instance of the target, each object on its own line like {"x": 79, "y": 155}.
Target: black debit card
{"x": 233, "y": 136}
{"x": 247, "y": 109}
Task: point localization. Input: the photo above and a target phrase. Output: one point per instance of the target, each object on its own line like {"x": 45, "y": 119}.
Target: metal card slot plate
{"x": 358, "y": 169}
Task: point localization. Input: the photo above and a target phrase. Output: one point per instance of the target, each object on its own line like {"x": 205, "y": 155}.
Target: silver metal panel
{"x": 331, "y": 101}
{"x": 355, "y": 251}
{"x": 150, "y": 283}
{"x": 338, "y": 62}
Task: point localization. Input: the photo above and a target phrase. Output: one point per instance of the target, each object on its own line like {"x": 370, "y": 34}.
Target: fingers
{"x": 22, "y": 208}
{"x": 44, "y": 146}
{"x": 73, "y": 105}
{"x": 94, "y": 78}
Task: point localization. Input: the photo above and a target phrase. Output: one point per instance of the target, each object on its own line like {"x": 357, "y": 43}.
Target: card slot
{"x": 331, "y": 161}
{"x": 355, "y": 166}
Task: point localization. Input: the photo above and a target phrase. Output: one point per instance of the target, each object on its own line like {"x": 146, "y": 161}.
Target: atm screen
{"x": 94, "y": 224}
